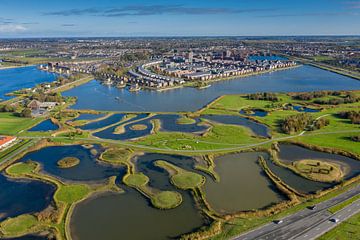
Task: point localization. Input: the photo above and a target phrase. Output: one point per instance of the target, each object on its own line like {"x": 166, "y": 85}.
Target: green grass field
{"x": 136, "y": 180}
{"x": 11, "y": 125}
{"x": 348, "y": 230}
{"x": 20, "y": 224}
{"x": 220, "y": 136}
{"x": 71, "y": 193}
{"x": 166, "y": 199}
{"x": 21, "y": 168}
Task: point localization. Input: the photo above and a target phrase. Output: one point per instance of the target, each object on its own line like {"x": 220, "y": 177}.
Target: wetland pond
{"x": 168, "y": 123}
{"x": 23, "y": 196}
{"x": 243, "y": 184}
{"x": 115, "y": 216}
{"x": 44, "y": 126}
{"x": 88, "y": 116}
{"x": 130, "y": 216}
{"x": 88, "y": 169}
{"x": 290, "y": 153}
{"x": 103, "y": 122}
{"x": 257, "y": 128}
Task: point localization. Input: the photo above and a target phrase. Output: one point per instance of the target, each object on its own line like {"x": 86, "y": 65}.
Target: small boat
{"x": 134, "y": 88}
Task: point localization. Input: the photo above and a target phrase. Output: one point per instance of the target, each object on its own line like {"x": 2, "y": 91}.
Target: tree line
{"x": 263, "y": 96}
{"x": 353, "y": 116}
{"x": 296, "y": 123}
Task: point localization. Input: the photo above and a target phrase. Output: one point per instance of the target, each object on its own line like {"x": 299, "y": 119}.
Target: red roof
{"x": 5, "y": 139}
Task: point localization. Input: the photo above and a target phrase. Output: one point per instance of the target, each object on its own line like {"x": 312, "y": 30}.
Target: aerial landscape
{"x": 184, "y": 120}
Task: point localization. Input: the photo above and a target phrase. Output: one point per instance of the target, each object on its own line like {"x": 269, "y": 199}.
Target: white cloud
{"x": 12, "y": 28}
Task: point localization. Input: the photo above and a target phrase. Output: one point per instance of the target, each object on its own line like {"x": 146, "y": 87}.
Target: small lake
{"x": 168, "y": 123}
{"x": 243, "y": 184}
{"x": 88, "y": 116}
{"x": 299, "y": 79}
{"x": 89, "y": 168}
{"x": 295, "y": 181}
{"x": 130, "y": 216}
{"x": 255, "y": 113}
{"x": 290, "y": 153}
{"x": 257, "y": 128}
{"x": 109, "y": 133}
{"x": 18, "y": 78}
{"x": 44, "y": 126}
{"x": 116, "y": 216}
{"x": 305, "y": 109}
{"x": 104, "y": 122}
{"x": 23, "y": 196}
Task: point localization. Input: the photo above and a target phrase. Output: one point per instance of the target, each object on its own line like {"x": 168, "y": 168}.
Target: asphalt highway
{"x": 307, "y": 224}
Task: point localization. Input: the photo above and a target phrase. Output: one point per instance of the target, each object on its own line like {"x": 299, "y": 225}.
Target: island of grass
{"x": 18, "y": 225}
{"x": 68, "y": 162}
{"x": 116, "y": 155}
{"x": 181, "y": 178}
{"x": 159, "y": 199}
{"x": 166, "y": 199}
{"x": 138, "y": 127}
{"x": 136, "y": 180}
{"x": 21, "y": 168}
{"x": 185, "y": 120}
{"x": 71, "y": 193}
{"x": 318, "y": 170}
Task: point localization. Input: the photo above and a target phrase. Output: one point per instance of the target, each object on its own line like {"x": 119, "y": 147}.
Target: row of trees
{"x": 26, "y": 112}
{"x": 263, "y": 96}
{"x": 352, "y": 115}
{"x": 306, "y": 96}
{"x": 336, "y": 101}
{"x": 47, "y": 97}
{"x": 296, "y": 123}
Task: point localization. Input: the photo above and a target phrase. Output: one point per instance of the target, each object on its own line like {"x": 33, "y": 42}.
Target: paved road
{"x": 13, "y": 154}
{"x": 233, "y": 147}
{"x": 307, "y": 224}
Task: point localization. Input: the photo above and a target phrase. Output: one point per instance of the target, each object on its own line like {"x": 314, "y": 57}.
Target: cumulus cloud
{"x": 12, "y": 28}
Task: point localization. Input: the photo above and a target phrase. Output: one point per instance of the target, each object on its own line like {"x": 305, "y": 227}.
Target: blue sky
{"x": 71, "y": 18}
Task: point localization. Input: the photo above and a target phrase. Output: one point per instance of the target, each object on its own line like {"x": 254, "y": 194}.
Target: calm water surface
{"x": 291, "y": 153}
{"x": 23, "y": 196}
{"x": 88, "y": 116}
{"x": 243, "y": 184}
{"x": 19, "y": 78}
{"x": 130, "y": 216}
{"x": 304, "y": 78}
{"x": 104, "y": 122}
{"x": 89, "y": 168}
{"x": 257, "y": 128}
{"x": 295, "y": 181}
{"x": 44, "y": 126}
{"x": 117, "y": 216}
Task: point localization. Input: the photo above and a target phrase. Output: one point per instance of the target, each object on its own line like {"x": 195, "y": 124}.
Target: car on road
{"x": 334, "y": 220}
{"x": 278, "y": 221}
{"x": 313, "y": 207}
